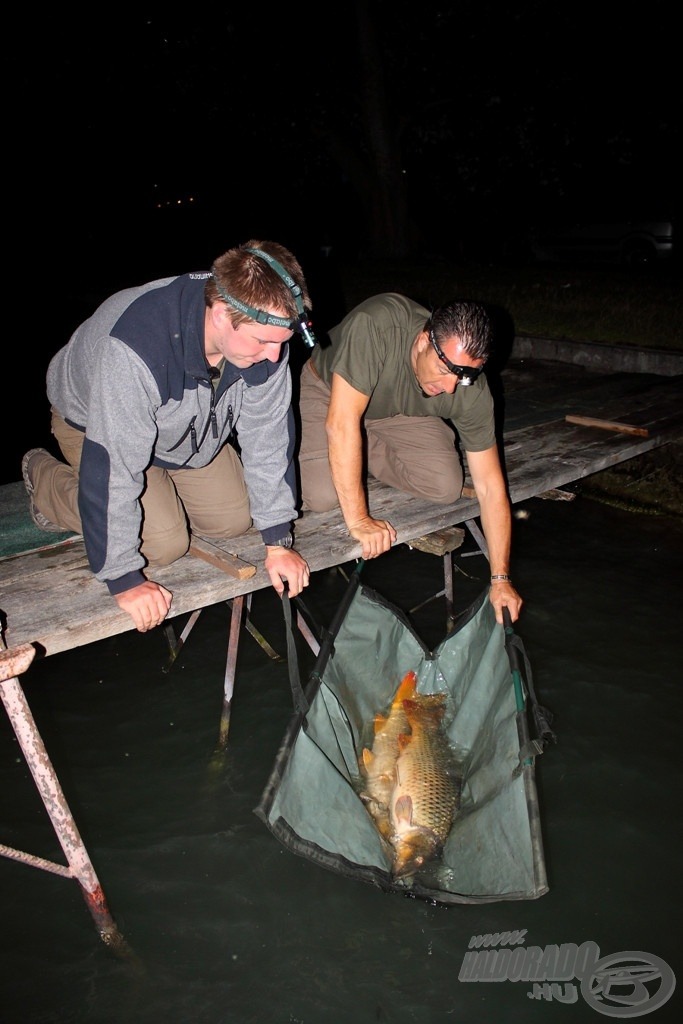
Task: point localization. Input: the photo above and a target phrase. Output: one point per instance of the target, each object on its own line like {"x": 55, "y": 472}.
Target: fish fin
{"x": 403, "y": 809}
{"x": 406, "y": 688}
{"x": 403, "y": 740}
{"x": 368, "y": 757}
{"x": 380, "y": 721}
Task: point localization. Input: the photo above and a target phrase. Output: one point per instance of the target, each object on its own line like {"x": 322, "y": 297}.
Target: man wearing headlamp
{"x": 385, "y": 397}
{"x": 172, "y": 408}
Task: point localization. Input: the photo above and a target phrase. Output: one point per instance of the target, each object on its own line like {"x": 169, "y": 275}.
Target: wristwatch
{"x": 283, "y": 542}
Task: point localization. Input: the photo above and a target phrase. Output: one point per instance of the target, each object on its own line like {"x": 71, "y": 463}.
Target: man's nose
{"x": 273, "y": 352}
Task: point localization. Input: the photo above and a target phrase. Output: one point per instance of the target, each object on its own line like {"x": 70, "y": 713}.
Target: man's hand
{"x": 147, "y": 604}
{"x": 375, "y": 535}
{"x": 503, "y": 595}
{"x": 287, "y": 564}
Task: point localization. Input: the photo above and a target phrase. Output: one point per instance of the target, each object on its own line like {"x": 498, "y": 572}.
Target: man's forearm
{"x": 346, "y": 466}
{"x": 496, "y": 522}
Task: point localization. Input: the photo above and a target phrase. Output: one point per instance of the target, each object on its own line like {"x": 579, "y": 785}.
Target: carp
{"x": 426, "y": 795}
{"x": 378, "y": 766}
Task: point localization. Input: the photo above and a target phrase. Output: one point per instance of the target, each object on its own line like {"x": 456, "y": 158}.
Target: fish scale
{"x": 426, "y": 795}
{"x": 379, "y": 764}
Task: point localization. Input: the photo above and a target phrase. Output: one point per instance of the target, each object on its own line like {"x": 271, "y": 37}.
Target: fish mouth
{"x": 413, "y": 851}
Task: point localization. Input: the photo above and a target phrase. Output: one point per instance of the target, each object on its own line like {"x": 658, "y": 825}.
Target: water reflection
{"x": 227, "y": 925}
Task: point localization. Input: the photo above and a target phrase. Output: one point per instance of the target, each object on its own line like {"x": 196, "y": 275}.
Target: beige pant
{"x": 211, "y": 501}
{"x": 416, "y": 454}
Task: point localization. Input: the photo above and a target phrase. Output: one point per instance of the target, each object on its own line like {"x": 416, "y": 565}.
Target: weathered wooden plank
{"x": 539, "y": 459}
{"x": 50, "y": 596}
{"x": 556, "y": 494}
{"x": 593, "y": 421}
{"x": 200, "y": 547}
{"x": 440, "y": 542}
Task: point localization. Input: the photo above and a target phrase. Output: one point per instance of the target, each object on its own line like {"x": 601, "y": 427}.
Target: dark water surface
{"x": 226, "y": 925}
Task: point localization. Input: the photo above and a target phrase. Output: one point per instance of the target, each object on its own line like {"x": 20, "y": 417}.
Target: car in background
{"x": 633, "y": 243}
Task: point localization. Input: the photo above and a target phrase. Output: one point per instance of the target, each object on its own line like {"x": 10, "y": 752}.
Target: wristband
{"x": 501, "y": 577}
{"x": 283, "y": 542}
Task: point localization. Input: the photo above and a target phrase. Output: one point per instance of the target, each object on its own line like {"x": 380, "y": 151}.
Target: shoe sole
{"x": 38, "y": 518}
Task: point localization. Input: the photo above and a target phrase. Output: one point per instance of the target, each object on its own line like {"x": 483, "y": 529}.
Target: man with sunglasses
{"x": 390, "y": 395}
{"x": 152, "y": 399}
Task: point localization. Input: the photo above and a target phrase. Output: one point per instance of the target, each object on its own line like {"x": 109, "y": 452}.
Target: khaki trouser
{"x": 211, "y": 501}
{"x": 416, "y": 454}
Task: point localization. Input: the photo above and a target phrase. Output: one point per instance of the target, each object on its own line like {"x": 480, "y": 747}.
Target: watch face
{"x": 284, "y": 542}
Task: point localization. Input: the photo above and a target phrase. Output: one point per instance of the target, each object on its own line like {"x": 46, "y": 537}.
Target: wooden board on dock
{"x": 226, "y": 561}
{"x": 595, "y": 421}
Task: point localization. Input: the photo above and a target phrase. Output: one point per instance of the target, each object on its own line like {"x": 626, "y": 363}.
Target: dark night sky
{"x": 500, "y": 115}
{"x": 498, "y": 118}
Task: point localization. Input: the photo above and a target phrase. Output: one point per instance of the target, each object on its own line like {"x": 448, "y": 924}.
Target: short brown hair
{"x": 253, "y": 281}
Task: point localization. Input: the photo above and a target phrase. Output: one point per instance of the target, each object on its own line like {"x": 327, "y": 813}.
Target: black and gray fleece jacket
{"x": 134, "y": 377}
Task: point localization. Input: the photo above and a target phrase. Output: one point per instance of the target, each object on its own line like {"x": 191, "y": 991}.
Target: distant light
{"x": 175, "y": 203}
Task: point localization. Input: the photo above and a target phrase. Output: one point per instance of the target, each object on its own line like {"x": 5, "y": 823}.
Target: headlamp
{"x": 465, "y": 374}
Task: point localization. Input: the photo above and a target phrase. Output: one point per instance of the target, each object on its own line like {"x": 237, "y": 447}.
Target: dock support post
{"x": 176, "y": 646}
{"x": 478, "y": 536}
{"x": 80, "y": 866}
{"x": 237, "y": 608}
{"x": 443, "y": 543}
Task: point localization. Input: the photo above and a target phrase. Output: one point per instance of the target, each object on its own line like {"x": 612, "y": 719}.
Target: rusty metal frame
{"x": 79, "y": 866}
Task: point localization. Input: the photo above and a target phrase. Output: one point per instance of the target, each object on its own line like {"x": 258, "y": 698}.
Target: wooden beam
{"x": 440, "y": 542}
{"x": 211, "y": 553}
{"x": 621, "y": 428}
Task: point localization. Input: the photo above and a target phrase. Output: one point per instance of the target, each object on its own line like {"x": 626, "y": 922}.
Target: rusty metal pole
{"x": 80, "y": 866}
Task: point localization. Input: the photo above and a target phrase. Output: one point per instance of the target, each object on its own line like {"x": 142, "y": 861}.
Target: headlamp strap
{"x": 259, "y": 315}
{"x": 280, "y": 270}
{"x": 301, "y": 324}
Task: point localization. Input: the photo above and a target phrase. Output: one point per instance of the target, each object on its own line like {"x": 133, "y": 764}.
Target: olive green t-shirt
{"x": 370, "y": 349}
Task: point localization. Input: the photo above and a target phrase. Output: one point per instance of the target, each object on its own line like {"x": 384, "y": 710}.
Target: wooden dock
{"x": 562, "y": 423}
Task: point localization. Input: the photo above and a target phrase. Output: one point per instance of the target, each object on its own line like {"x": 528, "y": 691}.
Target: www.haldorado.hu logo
{"x": 628, "y": 984}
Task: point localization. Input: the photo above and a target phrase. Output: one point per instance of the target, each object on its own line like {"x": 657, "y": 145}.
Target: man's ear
{"x": 422, "y": 341}
{"x": 220, "y": 314}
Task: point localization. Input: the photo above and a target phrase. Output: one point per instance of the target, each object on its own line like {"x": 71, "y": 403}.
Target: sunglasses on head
{"x": 465, "y": 374}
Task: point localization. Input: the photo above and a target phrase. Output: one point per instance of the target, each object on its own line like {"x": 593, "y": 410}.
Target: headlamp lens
{"x": 305, "y": 328}
{"x": 465, "y": 374}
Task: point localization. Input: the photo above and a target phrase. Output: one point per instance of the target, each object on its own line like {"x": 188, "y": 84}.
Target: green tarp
{"x": 311, "y": 802}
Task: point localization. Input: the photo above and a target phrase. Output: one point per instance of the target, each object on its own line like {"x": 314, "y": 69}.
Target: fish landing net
{"x": 312, "y": 801}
